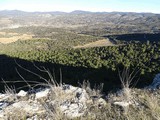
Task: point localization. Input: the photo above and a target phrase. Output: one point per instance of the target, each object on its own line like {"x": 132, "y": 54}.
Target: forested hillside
{"x": 141, "y": 57}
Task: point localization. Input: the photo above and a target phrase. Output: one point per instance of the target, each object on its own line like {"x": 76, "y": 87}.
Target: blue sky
{"x": 88, "y": 5}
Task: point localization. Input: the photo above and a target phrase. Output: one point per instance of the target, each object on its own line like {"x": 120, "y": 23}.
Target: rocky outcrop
{"x": 66, "y": 101}
{"x": 69, "y": 100}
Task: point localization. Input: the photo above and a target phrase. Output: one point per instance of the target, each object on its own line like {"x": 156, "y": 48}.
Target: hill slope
{"x": 84, "y": 22}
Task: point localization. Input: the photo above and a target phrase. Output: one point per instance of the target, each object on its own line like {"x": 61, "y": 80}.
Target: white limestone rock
{"x": 101, "y": 101}
{"x": 122, "y": 103}
{"x": 43, "y": 93}
{"x": 4, "y": 97}
{"x": 73, "y": 110}
{"x": 80, "y": 94}
{"x": 22, "y": 107}
{"x": 33, "y": 118}
{"x": 74, "y": 103}
{"x": 2, "y": 114}
{"x": 77, "y": 106}
{"x": 26, "y": 106}
{"x": 22, "y": 93}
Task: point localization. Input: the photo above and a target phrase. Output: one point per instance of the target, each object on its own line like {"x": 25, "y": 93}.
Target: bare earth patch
{"x": 12, "y": 37}
{"x": 99, "y": 43}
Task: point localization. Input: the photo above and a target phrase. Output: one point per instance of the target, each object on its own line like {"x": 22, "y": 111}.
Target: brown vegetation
{"x": 12, "y": 37}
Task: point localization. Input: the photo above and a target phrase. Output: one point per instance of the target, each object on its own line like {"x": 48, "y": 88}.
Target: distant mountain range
{"x": 84, "y": 21}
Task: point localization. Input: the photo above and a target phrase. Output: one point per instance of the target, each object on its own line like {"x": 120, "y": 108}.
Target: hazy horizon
{"x": 76, "y": 10}
{"x": 143, "y": 6}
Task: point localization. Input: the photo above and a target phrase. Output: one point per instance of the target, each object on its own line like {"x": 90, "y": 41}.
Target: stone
{"x": 101, "y": 101}
{"x": 4, "y": 97}
{"x": 22, "y": 93}
{"x": 33, "y": 118}
{"x": 43, "y": 93}
{"x": 72, "y": 104}
{"x": 2, "y": 114}
{"x": 21, "y": 107}
{"x": 77, "y": 106}
{"x": 73, "y": 110}
{"x": 26, "y": 106}
{"x": 80, "y": 94}
{"x": 122, "y": 103}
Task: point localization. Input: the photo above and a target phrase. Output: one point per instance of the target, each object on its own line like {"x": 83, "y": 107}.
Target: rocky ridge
{"x": 70, "y": 101}
{"x": 67, "y": 101}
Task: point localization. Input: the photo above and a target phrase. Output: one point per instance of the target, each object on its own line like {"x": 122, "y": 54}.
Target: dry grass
{"x": 13, "y": 37}
{"x": 154, "y": 106}
{"x": 146, "y": 107}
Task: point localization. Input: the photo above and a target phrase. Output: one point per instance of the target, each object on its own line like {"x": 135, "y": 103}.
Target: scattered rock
{"x": 43, "y": 93}
{"x": 1, "y": 114}
{"x": 76, "y": 105}
{"x": 33, "y": 118}
{"x": 73, "y": 109}
{"x": 122, "y": 104}
{"x": 2, "y": 96}
{"x": 101, "y": 102}
{"x": 28, "y": 107}
{"x": 80, "y": 94}
{"x": 5, "y": 97}
{"x": 72, "y": 102}
{"x": 22, "y": 93}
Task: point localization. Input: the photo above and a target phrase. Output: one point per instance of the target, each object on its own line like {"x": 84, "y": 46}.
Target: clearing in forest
{"x": 99, "y": 43}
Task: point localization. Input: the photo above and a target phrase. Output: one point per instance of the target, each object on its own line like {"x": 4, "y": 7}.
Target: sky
{"x": 152, "y": 6}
